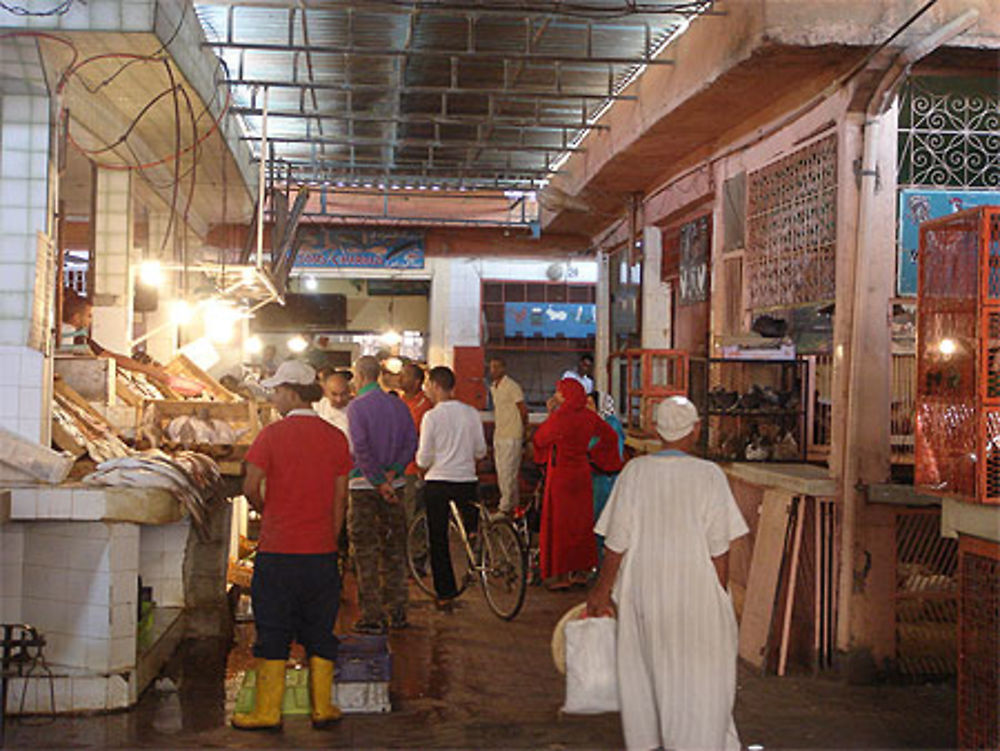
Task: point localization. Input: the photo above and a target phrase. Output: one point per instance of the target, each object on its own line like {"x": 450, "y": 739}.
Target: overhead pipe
{"x": 261, "y": 192}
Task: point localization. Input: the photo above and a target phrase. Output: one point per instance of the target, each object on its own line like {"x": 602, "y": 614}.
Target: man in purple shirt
{"x": 384, "y": 440}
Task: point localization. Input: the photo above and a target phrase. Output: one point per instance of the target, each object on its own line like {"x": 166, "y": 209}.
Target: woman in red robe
{"x": 567, "y": 534}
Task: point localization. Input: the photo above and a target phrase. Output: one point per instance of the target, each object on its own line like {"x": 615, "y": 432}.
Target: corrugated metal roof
{"x": 471, "y": 94}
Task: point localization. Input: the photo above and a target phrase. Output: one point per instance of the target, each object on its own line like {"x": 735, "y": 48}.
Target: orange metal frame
{"x": 650, "y": 391}
{"x": 939, "y": 460}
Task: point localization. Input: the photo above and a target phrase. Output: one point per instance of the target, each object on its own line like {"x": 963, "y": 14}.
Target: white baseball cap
{"x": 291, "y": 371}
{"x": 676, "y": 416}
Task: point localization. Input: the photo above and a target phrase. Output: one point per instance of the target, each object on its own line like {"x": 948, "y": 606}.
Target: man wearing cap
{"x": 667, "y": 528}
{"x": 296, "y": 584}
{"x": 384, "y": 440}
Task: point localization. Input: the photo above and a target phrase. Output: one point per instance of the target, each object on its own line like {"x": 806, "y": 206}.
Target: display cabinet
{"x": 752, "y": 409}
{"x": 958, "y": 356}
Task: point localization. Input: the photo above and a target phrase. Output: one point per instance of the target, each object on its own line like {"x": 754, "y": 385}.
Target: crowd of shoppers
{"x": 347, "y": 449}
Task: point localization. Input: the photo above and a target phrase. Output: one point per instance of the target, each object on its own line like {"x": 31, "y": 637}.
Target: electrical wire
{"x": 59, "y": 9}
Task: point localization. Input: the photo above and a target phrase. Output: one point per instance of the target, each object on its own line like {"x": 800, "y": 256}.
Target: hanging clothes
{"x": 603, "y": 482}
{"x": 561, "y": 443}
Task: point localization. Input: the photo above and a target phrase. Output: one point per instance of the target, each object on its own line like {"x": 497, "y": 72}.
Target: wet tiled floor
{"x": 468, "y": 680}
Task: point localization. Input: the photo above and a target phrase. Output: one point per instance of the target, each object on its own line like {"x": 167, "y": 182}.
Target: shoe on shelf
{"x": 398, "y": 620}
{"x": 372, "y": 628}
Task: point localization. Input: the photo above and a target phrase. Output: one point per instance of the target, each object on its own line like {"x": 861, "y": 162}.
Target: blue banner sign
{"x": 917, "y": 206}
{"x": 549, "y": 320}
{"x": 367, "y": 249}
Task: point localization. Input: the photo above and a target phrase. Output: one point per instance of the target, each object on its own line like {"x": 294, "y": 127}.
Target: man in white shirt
{"x": 667, "y": 530}
{"x": 336, "y": 396}
{"x": 451, "y": 440}
{"x": 584, "y": 373}
{"x": 510, "y": 421}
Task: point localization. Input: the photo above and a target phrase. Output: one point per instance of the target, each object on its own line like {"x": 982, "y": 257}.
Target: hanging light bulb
{"x": 947, "y": 347}
{"x": 310, "y": 283}
{"x": 297, "y": 344}
{"x": 181, "y": 312}
{"x": 220, "y": 320}
{"x": 253, "y": 345}
{"x": 391, "y": 338}
{"x": 151, "y": 274}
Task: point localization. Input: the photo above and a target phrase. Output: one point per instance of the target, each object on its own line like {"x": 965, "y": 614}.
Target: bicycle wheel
{"x": 418, "y": 555}
{"x": 504, "y": 572}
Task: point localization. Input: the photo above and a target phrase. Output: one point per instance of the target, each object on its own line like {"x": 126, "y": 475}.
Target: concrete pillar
{"x": 602, "y": 339}
{"x": 25, "y": 288}
{"x": 114, "y": 271}
{"x": 656, "y": 321}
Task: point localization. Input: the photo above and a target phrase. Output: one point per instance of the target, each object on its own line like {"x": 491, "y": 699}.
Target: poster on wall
{"x": 694, "y": 253}
{"x": 550, "y": 320}
{"x": 917, "y": 206}
{"x": 366, "y": 249}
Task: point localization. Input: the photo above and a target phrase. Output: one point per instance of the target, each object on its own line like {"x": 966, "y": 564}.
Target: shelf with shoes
{"x": 753, "y": 409}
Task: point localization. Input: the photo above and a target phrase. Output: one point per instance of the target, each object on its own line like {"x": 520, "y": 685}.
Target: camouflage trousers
{"x": 377, "y": 531}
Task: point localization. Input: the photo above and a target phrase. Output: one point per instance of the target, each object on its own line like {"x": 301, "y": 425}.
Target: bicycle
{"x": 495, "y": 555}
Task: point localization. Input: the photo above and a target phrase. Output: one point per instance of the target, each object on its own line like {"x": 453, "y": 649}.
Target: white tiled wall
{"x": 11, "y": 572}
{"x": 161, "y": 561}
{"x": 113, "y": 281}
{"x": 23, "y": 400}
{"x": 99, "y": 15}
{"x": 24, "y": 143}
{"x": 80, "y": 584}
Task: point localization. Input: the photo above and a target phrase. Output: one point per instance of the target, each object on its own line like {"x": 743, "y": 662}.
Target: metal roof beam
{"x": 533, "y": 93}
{"x": 617, "y": 17}
{"x": 423, "y": 118}
{"x": 467, "y": 54}
{"x": 413, "y": 167}
{"x": 417, "y": 142}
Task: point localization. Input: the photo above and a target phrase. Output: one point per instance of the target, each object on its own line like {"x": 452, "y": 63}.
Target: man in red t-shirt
{"x": 296, "y": 582}
{"x": 411, "y": 380}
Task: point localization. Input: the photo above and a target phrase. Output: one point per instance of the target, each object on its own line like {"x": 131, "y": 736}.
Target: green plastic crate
{"x": 296, "y": 700}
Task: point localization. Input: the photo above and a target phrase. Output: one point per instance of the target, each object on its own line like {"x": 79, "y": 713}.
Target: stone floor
{"x": 468, "y": 680}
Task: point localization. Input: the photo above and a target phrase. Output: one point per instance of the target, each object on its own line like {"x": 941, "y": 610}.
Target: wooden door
{"x": 470, "y": 376}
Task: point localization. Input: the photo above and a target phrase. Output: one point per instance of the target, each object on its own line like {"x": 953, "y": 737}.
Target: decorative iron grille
{"x": 792, "y": 228}
{"x": 949, "y": 133}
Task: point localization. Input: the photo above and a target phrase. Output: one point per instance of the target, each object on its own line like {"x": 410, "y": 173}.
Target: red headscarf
{"x": 574, "y": 397}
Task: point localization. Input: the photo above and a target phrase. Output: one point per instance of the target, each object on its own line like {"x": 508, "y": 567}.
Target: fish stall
{"x": 123, "y": 526}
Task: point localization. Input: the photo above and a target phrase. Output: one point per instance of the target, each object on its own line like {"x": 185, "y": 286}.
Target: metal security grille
{"x": 792, "y": 228}
{"x": 979, "y": 646}
{"x": 926, "y": 594}
{"x": 949, "y": 133}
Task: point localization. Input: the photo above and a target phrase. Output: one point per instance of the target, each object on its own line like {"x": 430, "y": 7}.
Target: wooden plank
{"x": 765, "y": 569}
{"x": 793, "y": 575}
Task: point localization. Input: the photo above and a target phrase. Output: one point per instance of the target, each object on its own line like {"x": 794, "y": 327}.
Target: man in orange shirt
{"x": 411, "y": 379}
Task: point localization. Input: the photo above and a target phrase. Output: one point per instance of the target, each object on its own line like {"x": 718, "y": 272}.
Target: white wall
{"x": 456, "y": 295}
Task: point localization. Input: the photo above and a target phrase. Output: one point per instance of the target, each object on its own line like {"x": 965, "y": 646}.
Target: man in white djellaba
{"x": 667, "y": 528}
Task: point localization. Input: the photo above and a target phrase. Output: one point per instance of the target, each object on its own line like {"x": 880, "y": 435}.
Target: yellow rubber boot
{"x": 324, "y": 711}
{"x": 266, "y": 714}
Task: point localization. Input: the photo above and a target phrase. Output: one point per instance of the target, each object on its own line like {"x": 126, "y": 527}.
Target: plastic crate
{"x": 363, "y": 659}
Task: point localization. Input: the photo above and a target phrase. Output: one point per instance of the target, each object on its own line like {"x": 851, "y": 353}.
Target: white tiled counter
{"x": 70, "y": 561}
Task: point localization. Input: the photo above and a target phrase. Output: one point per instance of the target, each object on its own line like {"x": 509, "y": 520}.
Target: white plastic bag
{"x": 591, "y": 666}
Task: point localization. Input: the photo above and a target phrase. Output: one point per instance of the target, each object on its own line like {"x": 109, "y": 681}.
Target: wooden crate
{"x": 241, "y": 415}
{"x": 95, "y": 423}
{"x": 183, "y": 367}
